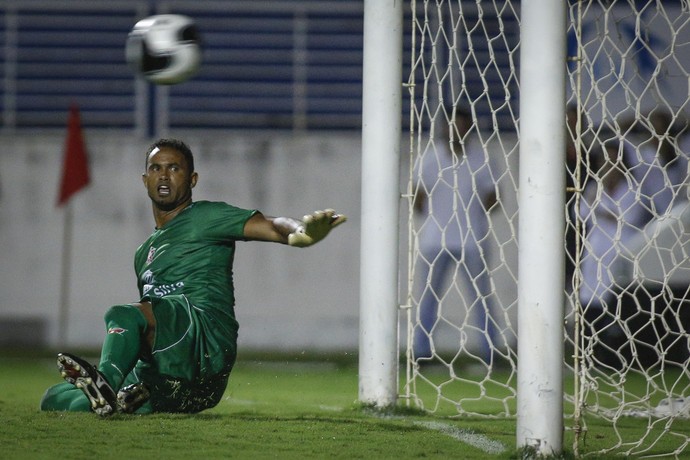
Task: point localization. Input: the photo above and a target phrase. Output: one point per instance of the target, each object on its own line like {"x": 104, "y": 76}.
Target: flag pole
{"x": 75, "y": 176}
{"x": 65, "y": 278}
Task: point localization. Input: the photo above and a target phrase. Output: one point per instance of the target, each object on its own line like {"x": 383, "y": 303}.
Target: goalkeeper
{"x": 173, "y": 350}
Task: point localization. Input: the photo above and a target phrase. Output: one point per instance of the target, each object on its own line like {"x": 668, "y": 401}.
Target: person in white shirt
{"x": 613, "y": 212}
{"x": 455, "y": 191}
{"x": 658, "y": 164}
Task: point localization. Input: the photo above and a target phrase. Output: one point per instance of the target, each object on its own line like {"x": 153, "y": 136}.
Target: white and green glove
{"x": 315, "y": 227}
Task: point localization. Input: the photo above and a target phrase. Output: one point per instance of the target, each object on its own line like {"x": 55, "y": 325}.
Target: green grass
{"x": 287, "y": 407}
{"x": 272, "y": 409}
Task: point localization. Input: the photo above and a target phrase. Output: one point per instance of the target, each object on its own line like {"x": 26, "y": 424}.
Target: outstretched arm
{"x": 300, "y": 233}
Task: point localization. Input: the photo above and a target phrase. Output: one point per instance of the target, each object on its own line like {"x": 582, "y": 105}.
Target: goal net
{"x": 626, "y": 244}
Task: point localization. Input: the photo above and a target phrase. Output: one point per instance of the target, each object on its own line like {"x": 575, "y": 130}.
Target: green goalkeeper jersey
{"x": 192, "y": 255}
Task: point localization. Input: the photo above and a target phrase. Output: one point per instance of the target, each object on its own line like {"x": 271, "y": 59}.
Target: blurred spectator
{"x": 612, "y": 213}
{"x": 455, "y": 191}
{"x": 661, "y": 170}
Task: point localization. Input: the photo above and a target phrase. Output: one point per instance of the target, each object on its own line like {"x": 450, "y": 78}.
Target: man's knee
{"x": 129, "y": 314}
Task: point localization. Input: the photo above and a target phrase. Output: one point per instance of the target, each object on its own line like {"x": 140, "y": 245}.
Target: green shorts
{"x": 170, "y": 394}
{"x": 193, "y": 353}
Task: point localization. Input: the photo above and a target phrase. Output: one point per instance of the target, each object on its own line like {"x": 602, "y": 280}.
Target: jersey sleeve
{"x": 222, "y": 221}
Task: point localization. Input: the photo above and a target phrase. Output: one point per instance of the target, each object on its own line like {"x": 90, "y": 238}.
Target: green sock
{"x": 65, "y": 396}
{"x": 125, "y": 326}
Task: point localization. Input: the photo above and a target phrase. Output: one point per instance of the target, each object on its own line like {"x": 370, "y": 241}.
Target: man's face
{"x": 167, "y": 178}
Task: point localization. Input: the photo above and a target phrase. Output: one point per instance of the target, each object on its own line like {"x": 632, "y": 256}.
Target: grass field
{"x": 272, "y": 409}
{"x": 285, "y": 408}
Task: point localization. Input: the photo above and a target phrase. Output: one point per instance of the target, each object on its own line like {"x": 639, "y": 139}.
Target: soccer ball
{"x": 165, "y": 49}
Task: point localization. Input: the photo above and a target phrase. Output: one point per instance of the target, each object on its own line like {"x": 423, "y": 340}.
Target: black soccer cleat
{"x": 132, "y": 397}
{"x": 88, "y": 379}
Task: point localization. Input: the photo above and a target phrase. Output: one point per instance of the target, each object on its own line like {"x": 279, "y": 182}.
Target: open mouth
{"x": 163, "y": 190}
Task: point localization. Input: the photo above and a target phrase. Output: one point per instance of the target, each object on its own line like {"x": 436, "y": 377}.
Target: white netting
{"x": 629, "y": 91}
{"x": 627, "y": 217}
{"x": 463, "y": 208}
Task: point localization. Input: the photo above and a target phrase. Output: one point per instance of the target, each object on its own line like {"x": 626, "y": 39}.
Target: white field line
{"x": 481, "y": 442}
{"x": 477, "y": 440}
{"x": 469, "y": 437}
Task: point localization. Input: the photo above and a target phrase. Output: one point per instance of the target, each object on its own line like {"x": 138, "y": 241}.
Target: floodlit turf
{"x": 286, "y": 408}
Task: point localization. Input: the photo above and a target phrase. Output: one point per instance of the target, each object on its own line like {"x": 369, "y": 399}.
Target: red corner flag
{"x": 75, "y": 166}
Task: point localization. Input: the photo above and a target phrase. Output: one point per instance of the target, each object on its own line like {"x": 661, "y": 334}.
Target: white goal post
{"x": 542, "y": 228}
{"x": 381, "y": 109}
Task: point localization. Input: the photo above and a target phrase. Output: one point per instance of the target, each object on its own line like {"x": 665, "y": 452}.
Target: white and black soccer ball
{"x": 165, "y": 49}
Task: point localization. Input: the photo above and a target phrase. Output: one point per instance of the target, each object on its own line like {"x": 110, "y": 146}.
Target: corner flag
{"x": 75, "y": 176}
{"x": 75, "y": 166}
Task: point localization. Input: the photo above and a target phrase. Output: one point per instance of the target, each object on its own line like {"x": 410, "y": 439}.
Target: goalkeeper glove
{"x": 315, "y": 227}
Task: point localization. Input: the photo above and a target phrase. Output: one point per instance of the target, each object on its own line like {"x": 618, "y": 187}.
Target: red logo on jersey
{"x": 116, "y": 330}
{"x": 149, "y": 257}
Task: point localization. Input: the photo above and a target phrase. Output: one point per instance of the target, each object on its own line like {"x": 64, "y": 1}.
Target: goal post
{"x": 541, "y": 224}
{"x": 381, "y": 130}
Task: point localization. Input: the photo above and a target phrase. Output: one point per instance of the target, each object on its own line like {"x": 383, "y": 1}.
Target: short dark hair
{"x": 176, "y": 145}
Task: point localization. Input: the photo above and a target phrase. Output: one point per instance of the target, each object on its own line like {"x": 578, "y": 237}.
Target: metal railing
{"x": 267, "y": 65}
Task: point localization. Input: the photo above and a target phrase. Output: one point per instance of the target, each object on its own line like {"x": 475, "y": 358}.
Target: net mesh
{"x": 463, "y": 283}
{"x": 627, "y": 217}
